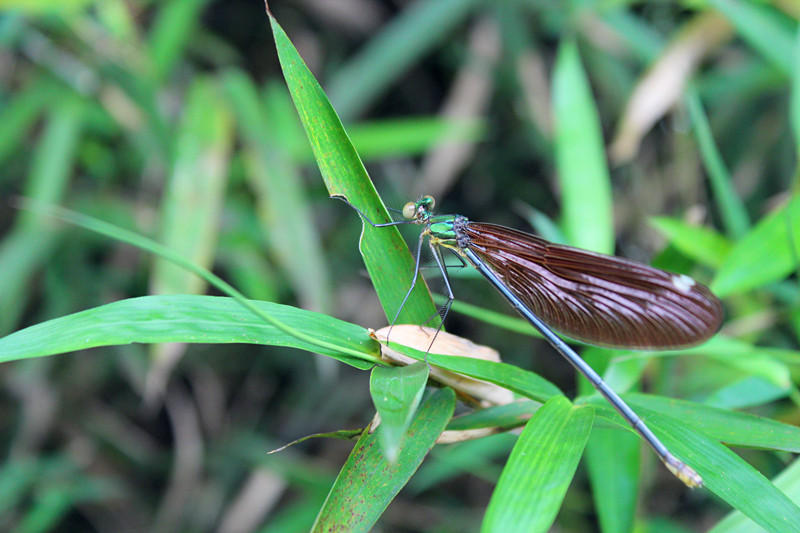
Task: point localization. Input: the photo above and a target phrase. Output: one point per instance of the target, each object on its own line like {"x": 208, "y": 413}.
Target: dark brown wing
{"x": 596, "y": 298}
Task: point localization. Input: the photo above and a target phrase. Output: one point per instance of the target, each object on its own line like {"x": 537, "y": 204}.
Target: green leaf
{"x": 382, "y": 138}
{"x": 21, "y": 111}
{"x": 413, "y": 135}
{"x": 396, "y": 392}
{"x": 794, "y": 103}
{"x": 761, "y": 26}
{"x": 149, "y": 245}
{"x": 193, "y": 200}
{"x": 500, "y": 416}
{"x": 284, "y": 210}
{"x": 731, "y": 208}
{"x": 171, "y": 33}
{"x": 386, "y": 255}
{"x": 731, "y": 427}
{"x": 186, "y": 318}
{"x": 494, "y": 318}
{"x": 368, "y": 482}
{"x": 540, "y": 468}
{"x": 613, "y": 458}
{"x": 768, "y": 253}
{"x": 621, "y": 373}
{"x": 46, "y": 7}
{"x": 788, "y": 481}
{"x": 727, "y": 475}
{"x": 587, "y": 217}
{"x": 748, "y": 391}
{"x": 702, "y": 244}
{"x": 724, "y": 473}
{"x": 516, "y": 379}
{"x": 393, "y": 50}
{"x": 771, "y": 364}
{"x": 479, "y": 458}
{"x": 27, "y": 246}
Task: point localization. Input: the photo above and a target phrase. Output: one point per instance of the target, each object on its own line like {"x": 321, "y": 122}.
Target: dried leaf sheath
{"x": 592, "y": 297}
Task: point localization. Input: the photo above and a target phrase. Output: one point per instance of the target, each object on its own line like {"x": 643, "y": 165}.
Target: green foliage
{"x": 148, "y": 116}
{"x": 533, "y": 485}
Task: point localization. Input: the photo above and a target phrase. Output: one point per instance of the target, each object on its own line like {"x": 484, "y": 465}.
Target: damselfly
{"x": 595, "y": 298}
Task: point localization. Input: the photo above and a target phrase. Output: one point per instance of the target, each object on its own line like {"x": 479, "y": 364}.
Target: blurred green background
{"x": 172, "y": 119}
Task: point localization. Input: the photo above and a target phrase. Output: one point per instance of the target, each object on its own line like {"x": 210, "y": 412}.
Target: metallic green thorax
{"x": 442, "y": 227}
{"x": 443, "y": 230}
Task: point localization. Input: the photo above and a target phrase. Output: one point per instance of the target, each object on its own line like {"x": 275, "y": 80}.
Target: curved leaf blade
{"x": 368, "y": 482}
{"x": 386, "y": 255}
{"x": 396, "y": 392}
{"x": 613, "y": 458}
{"x": 730, "y": 477}
{"x": 724, "y": 473}
{"x": 392, "y": 51}
{"x": 696, "y": 242}
{"x": 185, "y": 318}
{"x": 731, "y": 427}
{"x": 540, "y": 468}
{"x": 736, "y": 522}
{"x": 580, "y": 157}
{"x": 766, "y": 254}
{"x": 509, "y": 376}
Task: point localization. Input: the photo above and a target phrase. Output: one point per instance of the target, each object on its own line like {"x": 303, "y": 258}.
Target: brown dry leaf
{"x": 419, "y": 338}
{"x": 663, "y": 84}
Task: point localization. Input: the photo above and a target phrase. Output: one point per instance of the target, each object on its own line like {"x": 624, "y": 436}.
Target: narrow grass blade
{"x": 731, "y": 208}
{"x": 701, "y": 244}
{"x": 20, "y": 113}
{"x": 731, "y": 427}
{"x": 192, "y": 203}
{"x": 191, "y": 319}
{"x": 368, "y": 482}
{"x": 414, "y": 135}
{"x": 501, "y": 416}
{"x": 794, "y": 103}
{"x": 171, "y": 33}
{"x": 151, "y": 246}
{"x": 396, "y": 392}
{"x": 728, "y": 476}
{"x": 386, "y": 255}
{"x": 613, "y": 457}
{"x": 763, "y": 28}
{"x": 284, "y": 210}
{"x": 788, "y": 481}
{"x": 403, "y": 41}
{"x": 766, "y": 254}
{"x": 511, "y": 377}
{"x": 494, "y": 318}
{"x": 587, "y": 218}
{"x": 30, "y": 241}
{"x": 479, "y": 458}
{"x": 724, "y": 473}
{"x": 540, "y": 469}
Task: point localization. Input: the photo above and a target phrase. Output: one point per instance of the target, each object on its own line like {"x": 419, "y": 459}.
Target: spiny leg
{"x": 366, "y": 219}
{"x": 445, "y": 309}
{"x": 413, "y": 282}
